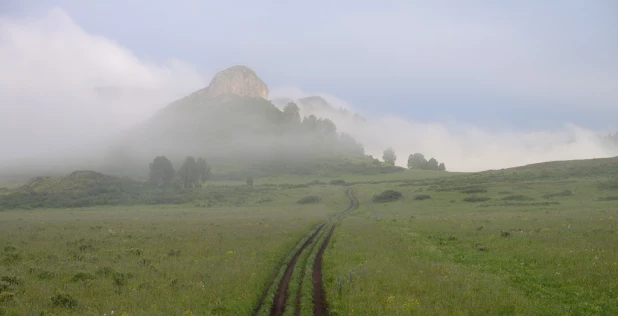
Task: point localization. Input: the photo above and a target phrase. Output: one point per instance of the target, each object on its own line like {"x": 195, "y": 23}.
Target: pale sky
{"x": 506, "y": 66}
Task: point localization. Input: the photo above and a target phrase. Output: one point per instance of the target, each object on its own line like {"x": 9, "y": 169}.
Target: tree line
{"x": 192, "y": 173}
{"x": 415, "y": 161}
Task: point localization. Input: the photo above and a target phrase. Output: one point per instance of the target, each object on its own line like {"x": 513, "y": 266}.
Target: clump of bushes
{"x": 609, "y": 198}
{"x": 311, "y": 199}
{"x": 561, "y": 193}
{"x": 63, "y": 300}
{"x": 337, "y": 182}
{"x": 475, "y": 198}
{"x": 422, "y": 197}
{"x": 82, "y": 276}
{"x": 388, "y": 196}
{"x": 517, "y": 197}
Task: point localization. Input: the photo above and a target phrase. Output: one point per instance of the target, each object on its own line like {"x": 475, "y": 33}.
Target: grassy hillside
{"x": 538, "y": 239}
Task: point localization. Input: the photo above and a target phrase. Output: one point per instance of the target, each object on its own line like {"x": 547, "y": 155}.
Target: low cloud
{"x": 462, "y": 147}
{"x": 64, "y": 89}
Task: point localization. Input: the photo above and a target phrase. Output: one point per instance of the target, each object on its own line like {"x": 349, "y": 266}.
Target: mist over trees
{"x": 389, "y": 156}
{"x": 241, "y": 130}
{"x": 193, "y": 172}
{"x": 161, "y": 172}
{"x": 419, "y": 162}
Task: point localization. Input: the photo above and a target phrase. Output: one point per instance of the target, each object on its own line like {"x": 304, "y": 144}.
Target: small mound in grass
{"x": 311, "y": 199}
{"x": 473, "y": 199}
{"x": 388, "y": 196}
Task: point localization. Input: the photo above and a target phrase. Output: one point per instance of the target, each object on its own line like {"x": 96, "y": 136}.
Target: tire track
{"x": 320, "y": 305}
{"x": 287, "y": 271}
{"x": 278, "y": 304}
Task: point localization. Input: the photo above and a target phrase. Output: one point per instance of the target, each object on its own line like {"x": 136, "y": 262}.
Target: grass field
{"x": 536, "y": 240}
{"x": 164, "y": 260}
{"x": 537, "y": 247}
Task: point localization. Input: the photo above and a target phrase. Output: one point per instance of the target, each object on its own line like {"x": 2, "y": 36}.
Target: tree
{"x": 441, "y": 167}
{"x": 189, "y": 172}
{"x": 161, "y": 172}
{"x": 417, "y": 161}
{"x": 432, "y": 164}
{"x": 291, "y": 113}
{"x": 250, "y": 181}
{"x": 310, "y": 122}
{"x": 203, "y": 170}
{"x": 389, "y": 156}
{"x": 326, "y": 127}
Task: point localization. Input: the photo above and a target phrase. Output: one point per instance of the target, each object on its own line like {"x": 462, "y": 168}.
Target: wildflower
{"x": 411, "y": 304}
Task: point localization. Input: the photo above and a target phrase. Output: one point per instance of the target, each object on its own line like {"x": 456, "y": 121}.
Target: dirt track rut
{"x": 278, "y": 304}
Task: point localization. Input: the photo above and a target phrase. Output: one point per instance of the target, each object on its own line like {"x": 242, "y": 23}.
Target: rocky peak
{"x": 238, "y": 80}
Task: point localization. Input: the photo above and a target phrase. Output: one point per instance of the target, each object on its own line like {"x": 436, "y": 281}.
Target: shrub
{"x": 422, "y": 197}
{"x": 388, "y": 196}
{"x": 311, "y": 199}
{"x": 475, "y": 198}
{"x": 517, "y": 197}
{"x": 561, "y": 193}
{"x": 609, "y": 198}
{"x": 82, "y": 276}
{"x": 63, "y": 300}
{"x": 473, "y": 190}
{"x": 337, "y": 182}
{"x": 6, "y": 297}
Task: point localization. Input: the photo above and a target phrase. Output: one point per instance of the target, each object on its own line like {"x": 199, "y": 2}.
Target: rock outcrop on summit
{"x": 238, "y": 80}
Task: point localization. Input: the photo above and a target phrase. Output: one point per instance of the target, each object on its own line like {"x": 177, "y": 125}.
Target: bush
{"x": 63, "y": 300}
{"x": 475, "y": 198}
{"x": 311, "y": 199}
{"x": 517, "y": 197}
{"x": 388, "y": 196}
{"x": 562, "y": 193}
{"x": 337, "y": 182}
{"x": 609, "y": 198}
{"x": 422, "y": 197}
{"x": 82, "y": 276}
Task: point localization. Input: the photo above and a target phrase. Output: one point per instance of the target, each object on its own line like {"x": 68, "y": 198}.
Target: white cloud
{"x": 63, "y": 88}
{"x": 463, "y": 147}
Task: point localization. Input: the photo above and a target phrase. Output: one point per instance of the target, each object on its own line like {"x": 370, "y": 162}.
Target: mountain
{"x": 232, "y": 120}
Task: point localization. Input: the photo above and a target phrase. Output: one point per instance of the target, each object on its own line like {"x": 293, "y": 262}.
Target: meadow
{"x": 546, "y": 244}
{"x": 151, "y": 260}
{"x": 527, "y": 241}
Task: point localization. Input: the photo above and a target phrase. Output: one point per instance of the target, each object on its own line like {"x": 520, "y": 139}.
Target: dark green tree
{"x": 291, "y": 113}
{"x": 326, "y": 128}
{"x": 432, "y": 164}
{"x": 189, "y": 173}
{"x": 161, "y": 172}
{"x": 203, "y": 170}
{"x": 250, "y": 181}
{"x": 441, "y": 167}
{"x": 310, "y": 123}
{"x": 389, "y": 156}
{"x": 417, "y": 161}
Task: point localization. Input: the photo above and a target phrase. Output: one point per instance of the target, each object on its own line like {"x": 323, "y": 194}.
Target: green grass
{"x": 160, "y": 260}
{"x": 542, "y": 242}
{"x": 548, "y": 248}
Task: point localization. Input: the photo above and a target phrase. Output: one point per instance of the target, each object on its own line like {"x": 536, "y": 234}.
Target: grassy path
{"x": 293, "y": 286}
